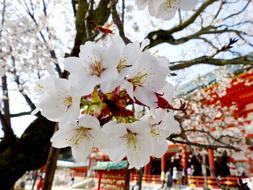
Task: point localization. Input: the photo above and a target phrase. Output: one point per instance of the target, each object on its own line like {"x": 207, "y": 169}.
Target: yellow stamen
{"x": 40, "y": 87}
{"x": 131, "y": 139}
{"x": 68, "y": 101}
{"x": 122, "y": 65}
{"x": 138, "y": 79}
{"x": 155, "y": 132}
{"x": 81, "y": 132}
{"x": 96, "y": 68}
{"x": 170, "y": 3}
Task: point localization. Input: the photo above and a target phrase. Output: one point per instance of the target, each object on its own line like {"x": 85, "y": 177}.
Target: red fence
{"x": 212, "y": 182}
{"x": 111, "y": 180}
{"x": 147, "y": 178}
{"x": 195, "y": 181}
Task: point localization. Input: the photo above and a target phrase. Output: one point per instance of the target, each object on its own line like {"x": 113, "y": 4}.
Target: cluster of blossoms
{"x": 165, "y": 9}
{"x": 211, "y": 121}
{"x": 94, "y": 106}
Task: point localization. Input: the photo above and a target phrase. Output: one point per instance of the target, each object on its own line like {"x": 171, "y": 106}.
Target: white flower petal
{"x": 61, "y": 137}
{"x": 116, "y": 150}
{"x": 141, "y": 4}
{"x": 145, "y": 43}
{"x": 165, "y": 12}
{"x": 61, "y": 85}
{"x": 154, "y": 74}
{"x": 159, "y": 147}
{"x": 108, "y": 87}
{"x": 88, "y": 121}
{"x": 72, "y": 64}
{"x": 86, "y": 50}
{"x": 146, "y": 97}
{"x": 81, "y": 151}
{"x": 188, "y": 4}
{"x": 129, "y": 88}
{"x": 140, "y": 156}
{"x": 80, "y": 78}
{"x": 113, "y": 129}
{"x": 139, "y": 127}
{"x": 168, "y": 91}
{"x": 170, "y": 124}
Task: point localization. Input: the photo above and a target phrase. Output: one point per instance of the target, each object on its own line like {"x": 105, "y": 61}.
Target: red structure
{"x": 111, "y": 175}
{"x": 241, "y": 93}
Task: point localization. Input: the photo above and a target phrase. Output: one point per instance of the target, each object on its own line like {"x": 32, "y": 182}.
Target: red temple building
{"x": 239, "y": 92}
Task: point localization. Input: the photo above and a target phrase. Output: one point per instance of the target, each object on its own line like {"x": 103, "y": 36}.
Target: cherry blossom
{"x": 162, "y": 125}
{"x": 148, "y": 78}
{"x": 58, "y": 101}
{"x": 167, "y": 91}
{"x": 131, "y": 140}
{"x": 81, "y": 136}
{"x": 141, "y": 4}
{"x": 100, "y": 78}
{"x": 165, "y": 9}
{"x": 3, "y": 68}
{"x": 94, "y": 66}
{"x": 128, "y": 56}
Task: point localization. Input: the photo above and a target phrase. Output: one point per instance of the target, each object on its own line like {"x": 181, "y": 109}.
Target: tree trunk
{"x": 127, "y": 182}
{"x": 50, "y": 168}
{"x": 26, "y": 153}
{"x": 140, "y": 178}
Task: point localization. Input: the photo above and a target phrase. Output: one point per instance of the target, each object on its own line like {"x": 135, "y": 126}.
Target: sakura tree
{"x": 90, "y": 92}
{"x": 210, "y": 122}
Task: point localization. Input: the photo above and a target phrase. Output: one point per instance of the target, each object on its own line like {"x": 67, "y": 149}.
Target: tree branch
{"x": 98, "y": 18}
{"x": 73, "y": 3}
{"x": 51, "y": 51}
{"x": 6, "y": 118}
{"x": 205, "y": 146}
{"x": 85, "y": 19}
{"x": 19, "y": 85}
{"x": 3, "y": 17}
{"x": 118, "y": 22}
{"x": 239, "y": 12}
{"x": 162, "y": 36}
{"x": 242, "y": 60}
{"x": 81, "y": 35}
{"x": 21, "y": 114}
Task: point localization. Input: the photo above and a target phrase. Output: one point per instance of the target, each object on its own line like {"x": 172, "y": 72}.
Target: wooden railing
{"x": 195, "y": 181}
{"x": 147, "y": 178}
{"x": 212, "y": 182}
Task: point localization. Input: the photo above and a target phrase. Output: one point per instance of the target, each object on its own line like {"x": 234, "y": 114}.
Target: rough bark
{"x": 27, "y": 153}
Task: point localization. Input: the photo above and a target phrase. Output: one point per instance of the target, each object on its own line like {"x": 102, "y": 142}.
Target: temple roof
{"x": 208, "y": 79}
{"x": 110, "y": 165}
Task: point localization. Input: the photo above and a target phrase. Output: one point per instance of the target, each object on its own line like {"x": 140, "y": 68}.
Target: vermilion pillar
{"x": 211, "y": 162}
{"x": 99, "y": 180}
{"x": 184, "y": 157}
{"x": 250, "y": 161}
{"x": 184, "y": 164}
{"x": 163, "y": 163}
{"x": 147, "y": 168}
{"x": 250, "y": 166}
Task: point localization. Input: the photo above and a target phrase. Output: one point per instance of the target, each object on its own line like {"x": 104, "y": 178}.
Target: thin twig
{"x": 118, "y": 22}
